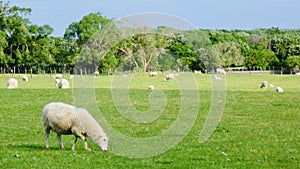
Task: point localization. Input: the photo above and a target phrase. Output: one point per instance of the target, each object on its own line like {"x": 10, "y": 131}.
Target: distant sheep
{"x": 25, "y": 78}
{"x": 12, "y": 83}
{"x": 271, "y": 85}
{"x": 153, "y": 74}
{"x": 169, "y": 77}
{"x": 65, "y": 119}
{"x": 220, "y": 71}
{"x": 58, "y": 76}
{"x": 279, "y": 89}
{"x": 63, "y": 84}
{"x": 151, "y": 87}
{"x": 264, "y": 84}
{"x": 197, "y": 72}
{"x": 96, "y": 73}
{"x": 297, "y": 74}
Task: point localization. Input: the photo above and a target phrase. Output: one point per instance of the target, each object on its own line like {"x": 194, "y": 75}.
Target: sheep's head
{"x": 103, "y": 143}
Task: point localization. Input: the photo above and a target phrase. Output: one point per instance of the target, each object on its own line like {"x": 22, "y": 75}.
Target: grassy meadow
{"x": 260, "y": 128}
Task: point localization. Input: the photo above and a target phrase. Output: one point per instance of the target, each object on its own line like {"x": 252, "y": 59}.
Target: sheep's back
{"x": 60, "y": 117}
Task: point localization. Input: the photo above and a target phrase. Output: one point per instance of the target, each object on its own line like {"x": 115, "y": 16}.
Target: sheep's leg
{"x": 46, "y": 134}
{"x": 84, "y": 142}
{"x": 74, "y": 144}
{"x": 61, "y": 145}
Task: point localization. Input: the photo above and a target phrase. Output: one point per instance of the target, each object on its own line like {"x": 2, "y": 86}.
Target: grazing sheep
{"x": 279, "y": 89}
{"x": 264, "y": 84}
{"x": 25, "y": 78}
{"x": 270, "y": 85}
{"x": 197, "y": 72}
{"x": 96, "y": 73}
{"x": 58, "y": 76}
{"x": 63, "y": 84}
{"x": 297, "y": 74}
{"x": 152, "y": 74}
{"x": 65, "y": 119}
{"x": 151, "y": 87}
{"x": 169, "y": 77}
{"x": 12, "y": 83}
{"x": 220, "y": 71}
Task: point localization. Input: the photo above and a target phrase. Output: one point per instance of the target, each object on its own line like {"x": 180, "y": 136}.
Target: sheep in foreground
{"x": 12, "y": 83}
{"x": 25, "y": 78}
{"x": 63, "y": 84}
{"x": 65, "y": 119}
{"x": 264, "y": 84}
{"x": 279, "y": 89}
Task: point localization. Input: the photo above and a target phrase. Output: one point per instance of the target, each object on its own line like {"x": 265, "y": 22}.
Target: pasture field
{"x": 260, "y": 128}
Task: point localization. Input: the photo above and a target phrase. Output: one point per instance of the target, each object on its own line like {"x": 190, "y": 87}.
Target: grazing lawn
{"x": 260, "y": 128}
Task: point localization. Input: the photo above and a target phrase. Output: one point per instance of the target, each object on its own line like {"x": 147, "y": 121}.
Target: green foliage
{"x": 31, "y": 47}
{"x": 293, "y": 63}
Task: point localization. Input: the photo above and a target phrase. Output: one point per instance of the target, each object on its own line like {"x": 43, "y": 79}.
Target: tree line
{"x": 98, "y": 43}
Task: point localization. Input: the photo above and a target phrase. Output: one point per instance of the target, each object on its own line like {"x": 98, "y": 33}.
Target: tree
{"x": 83, "y": 30}
{"x": 293, "y": 63}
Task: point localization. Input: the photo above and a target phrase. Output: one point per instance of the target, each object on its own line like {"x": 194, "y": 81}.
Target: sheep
{"x": 271, "y": 85}
{"x": 264, "y": 84}
{"x": 25, "y": 78}
{"x": 297, "y": 74}
{"x": 152, "y": 74}
{"x": 65, "y": 119}
{"x": 58, "y": 76}
{"x": 197, "y": 72}
{"x": 12, "y": 83}
{"x": 96, "y": 73}
{"x": 220, "y": 71}
{"x": 151, "y": 87}
{"x": 63, "y": 84}
{"x": 279, "y": 89}
{"x": 169, "y": 77}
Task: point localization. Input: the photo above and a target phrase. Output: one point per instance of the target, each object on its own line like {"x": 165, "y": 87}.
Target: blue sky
{"x": 206, "y": 14}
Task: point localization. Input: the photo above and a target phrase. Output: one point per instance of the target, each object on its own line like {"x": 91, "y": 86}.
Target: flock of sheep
{"x": 65, "y": 119}
{"x": 60, "y": 82}
{"x": 265, "y": 85}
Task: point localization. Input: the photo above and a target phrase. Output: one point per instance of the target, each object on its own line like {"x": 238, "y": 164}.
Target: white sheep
{"x": 279, "y": 89}
{"x": 58, "y": 76}
{"x": 63, "y": 84}
{"x": 169, "y": 76}
{"x": 220, "y": 71}
{"x": 96, "y": 73}
{"x": 151, "y": 87}
{"x": 264, "y": 84}
{"x": 297, "y": 74}
{"x": 197, "y": 72}
{"x": 25, "y": 78}
{"x": 12, "y": 83}
{"x": 153, "y": 74}
{"x": 65, "y": 119}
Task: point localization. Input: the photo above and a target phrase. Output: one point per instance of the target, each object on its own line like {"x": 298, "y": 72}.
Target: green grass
{"x": 259, "y": 127}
